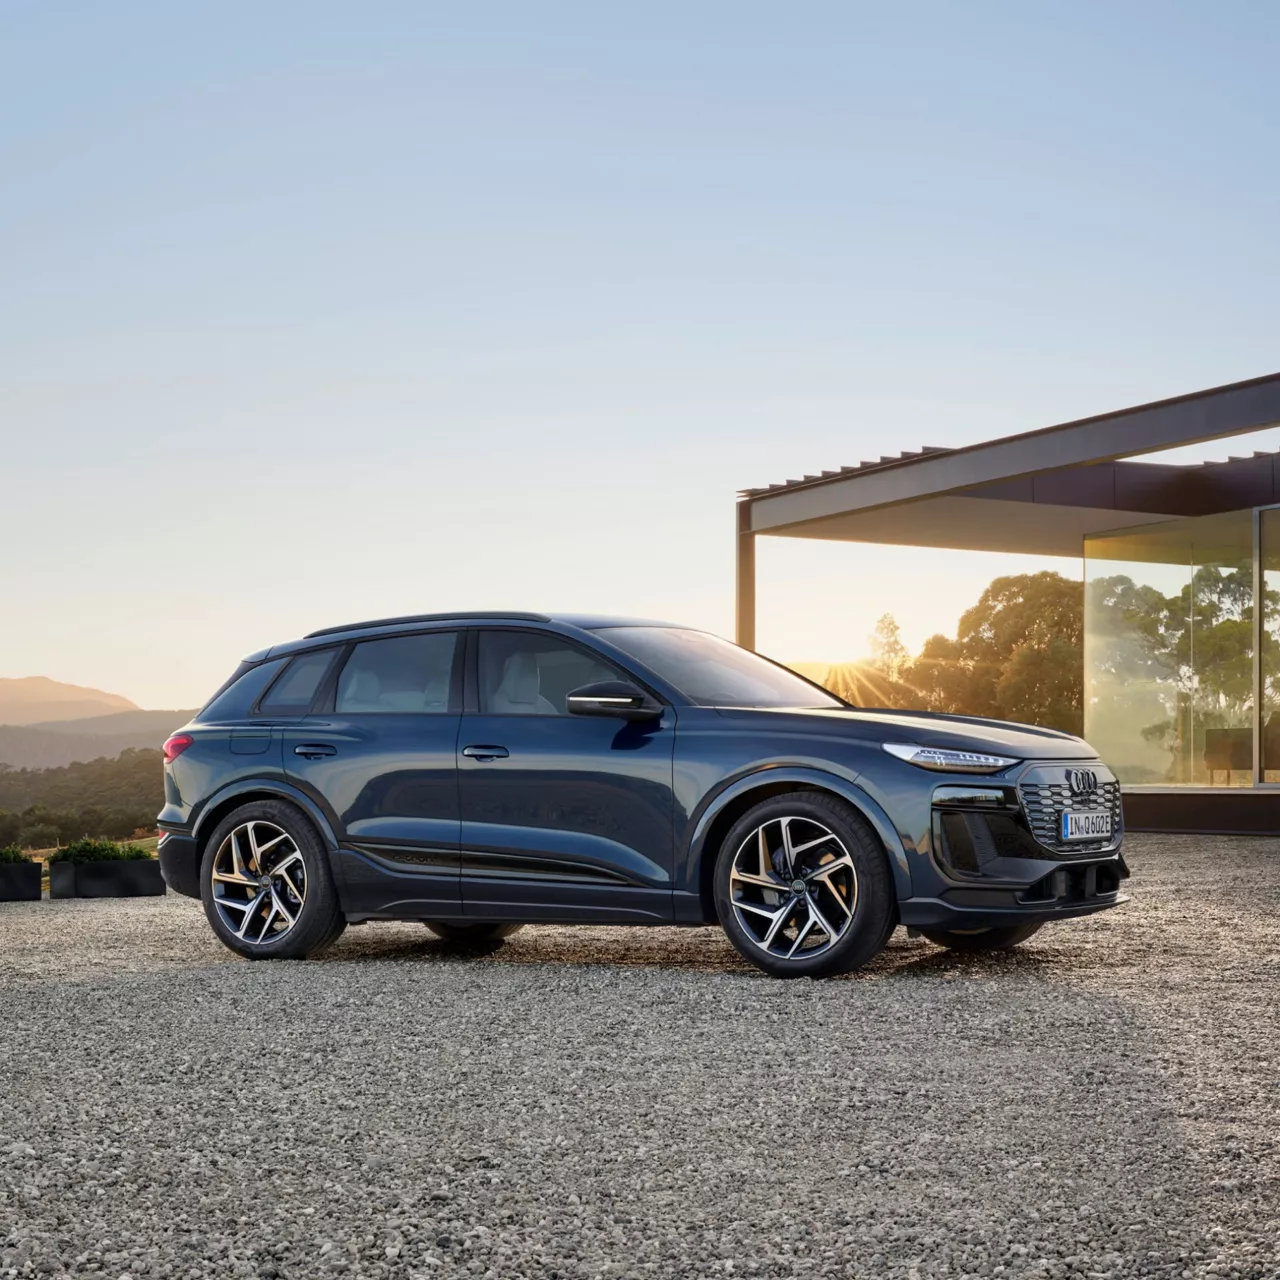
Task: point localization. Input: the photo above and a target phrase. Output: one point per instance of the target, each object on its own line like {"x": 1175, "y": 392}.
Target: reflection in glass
{"x": 1270, "y": 551}
{"x": 1169, "y": 651}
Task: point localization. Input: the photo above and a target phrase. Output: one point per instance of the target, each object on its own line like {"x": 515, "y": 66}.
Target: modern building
{"x": 1181, "y": 571}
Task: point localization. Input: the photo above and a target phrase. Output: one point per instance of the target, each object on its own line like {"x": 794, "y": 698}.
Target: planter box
{"x": 19, "y": 882}
{"x": 115, "y": 878}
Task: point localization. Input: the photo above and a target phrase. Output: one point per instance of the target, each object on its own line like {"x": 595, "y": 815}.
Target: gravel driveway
{"x": 607, "y": 1102}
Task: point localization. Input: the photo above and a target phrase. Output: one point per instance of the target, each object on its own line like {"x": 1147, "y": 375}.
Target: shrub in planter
{"x": 19, "y": 876}
{"x": 103, "y": 869}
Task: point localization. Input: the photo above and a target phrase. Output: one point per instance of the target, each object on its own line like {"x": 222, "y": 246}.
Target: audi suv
{"x": 479, "y": 772}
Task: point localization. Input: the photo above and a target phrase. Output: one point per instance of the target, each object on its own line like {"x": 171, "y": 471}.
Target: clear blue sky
{"x": 316, "y": 311}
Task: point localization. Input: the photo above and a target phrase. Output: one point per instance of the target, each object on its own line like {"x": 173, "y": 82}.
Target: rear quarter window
{"x": 236, "y": 698}
{"x": 293, "y": 693}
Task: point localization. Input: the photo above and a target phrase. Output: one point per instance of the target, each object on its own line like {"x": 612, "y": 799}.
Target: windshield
{"x": 714, "y": 673}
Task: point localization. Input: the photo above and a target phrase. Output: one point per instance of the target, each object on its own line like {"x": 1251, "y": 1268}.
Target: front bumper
{"x": 1061, "y": 893}
{"x": 998, "y": 857}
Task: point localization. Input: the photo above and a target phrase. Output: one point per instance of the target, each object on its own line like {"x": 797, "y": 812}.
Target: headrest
{"x": 520, "y": 680}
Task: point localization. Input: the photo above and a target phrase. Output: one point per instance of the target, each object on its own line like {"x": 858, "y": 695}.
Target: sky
{"x": 316, "y": 312}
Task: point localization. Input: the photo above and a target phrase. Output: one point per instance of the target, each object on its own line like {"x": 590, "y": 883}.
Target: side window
{"x": 405, "y": 674}
{"x": 292, "y": 694}
{"x": 526, "y": 674}
{"x": 236, "y": 698}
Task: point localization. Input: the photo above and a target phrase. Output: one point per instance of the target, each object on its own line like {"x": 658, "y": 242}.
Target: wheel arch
{"x": 246, "y": 792}
{"x": 729, "y": 805}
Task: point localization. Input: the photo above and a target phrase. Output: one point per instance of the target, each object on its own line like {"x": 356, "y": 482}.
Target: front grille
{"x": 1043, "y": 803}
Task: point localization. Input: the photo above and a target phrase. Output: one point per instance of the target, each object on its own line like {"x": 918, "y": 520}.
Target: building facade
{"x": 1181, "y": 579}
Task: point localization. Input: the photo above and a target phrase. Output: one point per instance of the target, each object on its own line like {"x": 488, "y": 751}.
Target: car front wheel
{"x": 266, "y": 884}
{"x": 802, "y": 887}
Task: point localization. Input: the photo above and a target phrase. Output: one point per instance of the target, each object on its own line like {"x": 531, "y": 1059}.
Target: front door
{"x": 563, "y": 816}
{"x": 380, "y": 760}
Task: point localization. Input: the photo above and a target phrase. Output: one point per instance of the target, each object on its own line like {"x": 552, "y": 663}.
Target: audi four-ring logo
{"x": 1082, "y": 781}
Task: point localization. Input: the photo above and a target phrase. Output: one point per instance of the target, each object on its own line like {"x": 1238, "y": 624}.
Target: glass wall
{"x": 1270, "y": 535}
{"x": 1168, "y": 652}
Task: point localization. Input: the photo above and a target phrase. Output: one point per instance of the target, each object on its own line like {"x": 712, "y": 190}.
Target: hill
{"x": 51, "y": 745}
{"x": 157, "y": 723}
{"x": 113, "y": 798}
{"x": 134, "y": 778}
{"x": 37, "y": 699}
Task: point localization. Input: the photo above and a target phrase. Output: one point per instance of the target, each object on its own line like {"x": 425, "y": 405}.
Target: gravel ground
{"x": 607, "y": 1102}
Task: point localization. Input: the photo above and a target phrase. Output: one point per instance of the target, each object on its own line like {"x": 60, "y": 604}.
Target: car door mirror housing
{"x": 618, "y": 698}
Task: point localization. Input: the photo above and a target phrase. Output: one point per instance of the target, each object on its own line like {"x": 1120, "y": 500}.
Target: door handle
{"x": 314, "y": 750}
{"x": 486, "y": 753}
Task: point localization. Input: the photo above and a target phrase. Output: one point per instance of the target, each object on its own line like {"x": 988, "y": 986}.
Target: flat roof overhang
{"x": 1040, "y": 492}
{"x": 1048, "y": 514}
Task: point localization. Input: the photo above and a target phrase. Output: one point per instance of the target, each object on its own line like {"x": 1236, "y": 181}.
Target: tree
{"x": 1017, "y": 655}
{"x": 889, "y": 655}
{"x": 1177, "y": 667}
{"x": 939, "y": 677}
{"x": 1022, "y": 609}
{"x": 38, "y": 837}
{"x": 1024, "y": 645}
{"x": 1043, "y": 686}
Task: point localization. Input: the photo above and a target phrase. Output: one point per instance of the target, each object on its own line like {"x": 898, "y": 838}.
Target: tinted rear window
{"x": 235, "y": 699}
{"x": 401, "y": 674}
{"x": 294, "y": 692}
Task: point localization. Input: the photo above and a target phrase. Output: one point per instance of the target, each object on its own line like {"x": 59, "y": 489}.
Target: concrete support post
{"x": 745, "y": 611}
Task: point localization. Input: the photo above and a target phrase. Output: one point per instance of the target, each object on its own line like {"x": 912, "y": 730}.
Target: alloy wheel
{"x": 794, "y": 888}
{"x": 259, "y": 882}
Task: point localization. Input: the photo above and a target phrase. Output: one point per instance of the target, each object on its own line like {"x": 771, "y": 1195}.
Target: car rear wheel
{"x": 996, "y": 939}
{"x": 802, "y": 887}
{"x": 266, "y": 884}
{"x": 471, "y": 934}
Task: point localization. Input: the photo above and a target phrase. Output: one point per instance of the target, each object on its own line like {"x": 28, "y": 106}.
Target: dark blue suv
{"x": 479, "y": 772}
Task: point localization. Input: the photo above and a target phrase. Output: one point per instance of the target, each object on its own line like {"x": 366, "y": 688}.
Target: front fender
{"x": 808, "y": 777}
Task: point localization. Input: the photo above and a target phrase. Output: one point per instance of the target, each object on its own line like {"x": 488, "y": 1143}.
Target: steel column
{"x": 745, "y": 601}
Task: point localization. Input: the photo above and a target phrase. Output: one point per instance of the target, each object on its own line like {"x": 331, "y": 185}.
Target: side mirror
{"x": 613, "y": 698}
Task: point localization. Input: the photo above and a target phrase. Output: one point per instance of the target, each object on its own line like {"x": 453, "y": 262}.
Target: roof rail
{"x": 427, "y": 617}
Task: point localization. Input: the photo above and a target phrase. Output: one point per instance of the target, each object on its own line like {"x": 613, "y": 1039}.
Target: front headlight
{"x": 946, "y": 760}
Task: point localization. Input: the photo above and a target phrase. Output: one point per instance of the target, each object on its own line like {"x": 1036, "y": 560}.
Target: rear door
{"x": 563, "y": 816}
{"x": 378, "y": 754}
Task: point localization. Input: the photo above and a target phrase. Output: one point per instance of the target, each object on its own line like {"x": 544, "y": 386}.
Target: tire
{"x": 1001, "y": 938}
{"x": 471, "y": 934}
{"x": 248, "y": 915}
{"x": 842, "y": 871}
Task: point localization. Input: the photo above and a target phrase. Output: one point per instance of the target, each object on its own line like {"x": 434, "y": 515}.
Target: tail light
{"x": 175, "y": 746}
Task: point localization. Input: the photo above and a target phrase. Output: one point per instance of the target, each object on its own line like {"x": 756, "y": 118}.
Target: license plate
{"x": 1077, "y": 825}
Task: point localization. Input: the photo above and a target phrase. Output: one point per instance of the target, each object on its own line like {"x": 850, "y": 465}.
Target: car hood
{"x": 961, "y": 733}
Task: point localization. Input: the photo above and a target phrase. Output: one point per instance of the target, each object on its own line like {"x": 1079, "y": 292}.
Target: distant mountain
{"x": 159, "y": 724}
{"x": 37, "y": 700}
{"x": 51, "y": 745}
